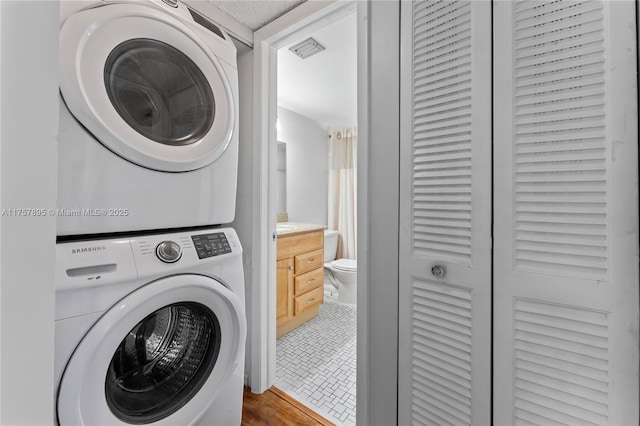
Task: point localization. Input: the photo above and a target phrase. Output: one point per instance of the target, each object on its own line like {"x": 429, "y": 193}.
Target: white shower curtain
{"x": 343, "y": 148}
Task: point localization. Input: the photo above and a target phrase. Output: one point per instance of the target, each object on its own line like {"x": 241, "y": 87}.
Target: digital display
{"x": 209, "y": 245}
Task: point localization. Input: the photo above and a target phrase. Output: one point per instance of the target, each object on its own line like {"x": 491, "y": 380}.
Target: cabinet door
{"x": 284, "y": 290}
{"x": 445, "y": 214}
{"x": 566, "y": 213}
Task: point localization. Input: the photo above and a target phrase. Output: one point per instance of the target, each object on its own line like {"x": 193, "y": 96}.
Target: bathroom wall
{"x": 307, "y": 167}
{"x": 281, "y": 179}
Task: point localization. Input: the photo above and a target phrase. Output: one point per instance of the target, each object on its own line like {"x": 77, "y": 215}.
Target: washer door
{"x": 146, "y": 86}
{"x": 160, "y": 356}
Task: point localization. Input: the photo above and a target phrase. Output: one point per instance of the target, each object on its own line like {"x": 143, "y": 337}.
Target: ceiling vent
{"x": 307, "y": 48}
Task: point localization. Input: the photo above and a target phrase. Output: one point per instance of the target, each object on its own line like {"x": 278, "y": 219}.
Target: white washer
{"x": 148, "y": 133}
{"x": 150, "y": 329}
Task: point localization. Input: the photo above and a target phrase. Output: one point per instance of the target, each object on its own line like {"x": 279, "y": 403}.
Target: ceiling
{"x": 323, "y": 87}
{"x": 255, "y": 13}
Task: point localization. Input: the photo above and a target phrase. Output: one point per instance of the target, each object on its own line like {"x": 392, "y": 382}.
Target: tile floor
{"x": 316, "y": 362}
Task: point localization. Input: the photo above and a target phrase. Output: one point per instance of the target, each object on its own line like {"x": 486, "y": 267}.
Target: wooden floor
{"x": 276, "y": 408}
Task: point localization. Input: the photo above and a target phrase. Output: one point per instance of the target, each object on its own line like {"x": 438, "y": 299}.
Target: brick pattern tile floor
{"x": 316, "y": 362}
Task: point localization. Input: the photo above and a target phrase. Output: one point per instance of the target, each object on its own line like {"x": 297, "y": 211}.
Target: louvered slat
{"x": 561, "y": 362}
{"x": 560, "y": 148}
{"x": 528, "y": 11}
{"x": 441, "y": 354}
{"x": 579, "y": 177}
{"x": 442, "y": 128}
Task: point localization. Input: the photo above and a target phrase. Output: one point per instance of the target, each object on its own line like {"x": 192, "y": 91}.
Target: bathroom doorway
{"x": 317, "y": 136}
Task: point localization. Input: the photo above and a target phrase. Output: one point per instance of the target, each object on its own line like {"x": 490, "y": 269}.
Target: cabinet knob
{"x": 291, "y": 268}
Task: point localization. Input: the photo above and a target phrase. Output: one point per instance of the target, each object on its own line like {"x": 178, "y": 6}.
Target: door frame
{"x": 378, "y": 58}
{"x": 307, "y": 17}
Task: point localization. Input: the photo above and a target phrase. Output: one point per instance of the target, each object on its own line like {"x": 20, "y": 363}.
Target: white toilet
{"x": 339, "y": 274}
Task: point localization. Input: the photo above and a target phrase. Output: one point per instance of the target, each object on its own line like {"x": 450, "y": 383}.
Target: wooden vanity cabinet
{"x": 299, "y": 279}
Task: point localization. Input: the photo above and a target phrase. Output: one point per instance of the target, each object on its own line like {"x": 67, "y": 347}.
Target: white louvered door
{"x": 445, "y": 210}
{"x": 566, "y": 213}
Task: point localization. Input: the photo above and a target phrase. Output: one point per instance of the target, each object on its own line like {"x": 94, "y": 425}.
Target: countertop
{"x": 290, "y": 228}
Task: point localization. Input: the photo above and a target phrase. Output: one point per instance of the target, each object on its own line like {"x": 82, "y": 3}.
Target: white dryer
{"x": 150, "y": 330}
{"x": 148, "y": 133}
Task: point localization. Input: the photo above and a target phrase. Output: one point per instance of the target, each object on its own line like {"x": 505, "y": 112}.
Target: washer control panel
{"x": 208, "y": 245}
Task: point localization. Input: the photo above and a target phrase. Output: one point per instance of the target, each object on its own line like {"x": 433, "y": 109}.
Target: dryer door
{"x": 161, "y": 355}
{"x": 146, "y": 86}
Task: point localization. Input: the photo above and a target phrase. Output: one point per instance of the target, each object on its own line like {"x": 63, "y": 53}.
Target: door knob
{"x": 438, "y": 271}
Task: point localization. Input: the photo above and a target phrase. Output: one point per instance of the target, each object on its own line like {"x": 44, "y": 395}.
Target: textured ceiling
{"x": 255, "y": 13}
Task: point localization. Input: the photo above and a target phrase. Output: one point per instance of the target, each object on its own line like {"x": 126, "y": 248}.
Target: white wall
{"x": 281, "y": 181}
{"x": 244, "y": 199}
{"x": 307, "y": 167}
{"x": 378, "y": 201}
{"x": 28, "y": 175}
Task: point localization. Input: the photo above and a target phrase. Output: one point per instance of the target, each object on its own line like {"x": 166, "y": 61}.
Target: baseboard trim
{"x": 297, "y": 404}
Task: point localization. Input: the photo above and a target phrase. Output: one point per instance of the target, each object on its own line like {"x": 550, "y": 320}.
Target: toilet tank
{"x": 330, "y": 244}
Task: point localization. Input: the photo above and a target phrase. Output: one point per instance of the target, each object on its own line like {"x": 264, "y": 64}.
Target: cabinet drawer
{"x": 308, "y": 261}
{"x": 308, "y": 281}
{"x": 308, "y": 300}
{"x": 290, "y": 245}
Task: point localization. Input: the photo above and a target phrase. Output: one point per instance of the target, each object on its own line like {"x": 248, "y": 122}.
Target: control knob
{"x": 169, "y": 251}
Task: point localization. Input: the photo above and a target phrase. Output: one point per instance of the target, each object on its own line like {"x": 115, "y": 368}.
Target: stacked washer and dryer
{"x": 150, "y": 309}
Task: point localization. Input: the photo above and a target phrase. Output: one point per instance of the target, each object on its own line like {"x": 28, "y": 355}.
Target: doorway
{"x": 316, "y": 122}
{"x": 308, "y": 17}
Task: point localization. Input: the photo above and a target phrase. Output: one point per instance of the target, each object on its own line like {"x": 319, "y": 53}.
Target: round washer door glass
{"x": 162, "y": 362}
{"x": 159, "y": 91}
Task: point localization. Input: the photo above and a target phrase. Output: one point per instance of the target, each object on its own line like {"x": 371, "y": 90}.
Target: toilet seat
{"x": 345, "y": 265}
